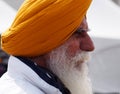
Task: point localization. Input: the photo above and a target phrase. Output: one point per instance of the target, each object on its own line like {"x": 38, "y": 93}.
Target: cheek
{"x": 73, "y": 48}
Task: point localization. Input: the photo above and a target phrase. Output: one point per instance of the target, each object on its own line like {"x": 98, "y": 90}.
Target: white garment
{"x": 21, "y": 79}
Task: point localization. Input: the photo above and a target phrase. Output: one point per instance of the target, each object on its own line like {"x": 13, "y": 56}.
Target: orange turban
{"x": 42, "y": 25}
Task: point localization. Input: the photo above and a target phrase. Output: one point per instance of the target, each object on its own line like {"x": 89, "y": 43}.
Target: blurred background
{"x": 104, "y": 22}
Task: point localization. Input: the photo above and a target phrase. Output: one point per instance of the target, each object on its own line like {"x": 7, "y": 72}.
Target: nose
{"x": 86, "y": 43}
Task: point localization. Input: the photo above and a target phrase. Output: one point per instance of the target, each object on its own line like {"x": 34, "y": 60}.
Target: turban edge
{"x": 42, "y": 25}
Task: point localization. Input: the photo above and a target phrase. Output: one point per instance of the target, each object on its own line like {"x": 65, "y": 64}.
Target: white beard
{"x": 73, "y": 72}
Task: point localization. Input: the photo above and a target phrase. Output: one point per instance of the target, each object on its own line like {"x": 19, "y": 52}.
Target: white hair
{"x": 73, "y": 71}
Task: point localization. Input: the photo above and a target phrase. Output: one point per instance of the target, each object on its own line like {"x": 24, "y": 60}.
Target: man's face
{"x": 68, "y": 60}
{"x": 80, "y": 41}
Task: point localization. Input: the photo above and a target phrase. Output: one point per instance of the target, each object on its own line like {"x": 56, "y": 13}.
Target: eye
{"x": 80, "y": 30}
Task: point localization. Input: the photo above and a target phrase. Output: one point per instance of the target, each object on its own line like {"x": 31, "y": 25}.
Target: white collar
{"x": 15, "y": 67}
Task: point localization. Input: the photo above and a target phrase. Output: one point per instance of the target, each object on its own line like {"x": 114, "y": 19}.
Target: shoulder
{"x": 17, "y": 86}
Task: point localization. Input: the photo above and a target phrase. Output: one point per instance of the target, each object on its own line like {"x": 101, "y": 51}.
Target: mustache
{"x": 79, "y": 59}
{"x": 83, "y": 56}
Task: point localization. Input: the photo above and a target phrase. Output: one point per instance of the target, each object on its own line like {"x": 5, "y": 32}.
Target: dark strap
{"x": 46, "y": 75}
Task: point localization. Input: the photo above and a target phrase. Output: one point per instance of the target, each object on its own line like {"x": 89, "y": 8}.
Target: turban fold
{"x": 42, "y": 25}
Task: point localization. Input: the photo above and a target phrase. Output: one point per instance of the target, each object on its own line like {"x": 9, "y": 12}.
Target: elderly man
{"x": 49, "y": 48}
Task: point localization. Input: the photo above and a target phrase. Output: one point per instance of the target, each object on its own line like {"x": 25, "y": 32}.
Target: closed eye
{"x": 80, "y": 30}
